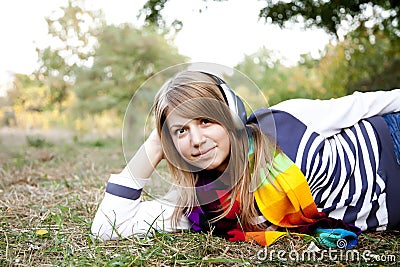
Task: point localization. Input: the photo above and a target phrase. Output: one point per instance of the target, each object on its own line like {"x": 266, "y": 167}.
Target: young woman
{"x": 247, "y": 178}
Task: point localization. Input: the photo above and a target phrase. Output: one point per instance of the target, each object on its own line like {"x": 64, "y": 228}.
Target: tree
{"x": 367, "y": 32}
{"x": 333, "y": 16}
{"x": 29, "y": 94}
{"x": 124, "y": 59}
{"x": 357, "y": 63}
{"x": 370, "y": 64}
{"x": 153, "y": 18}
{"x": 368, "y": 55}
{"x": 278, "y": 82}
{"x": 336, "y": 16}
{"x": 73, "y": 31}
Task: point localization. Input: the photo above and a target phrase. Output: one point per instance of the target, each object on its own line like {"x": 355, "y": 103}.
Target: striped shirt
{"x": 342, "y": 174}
{"x": 348, "y": 169}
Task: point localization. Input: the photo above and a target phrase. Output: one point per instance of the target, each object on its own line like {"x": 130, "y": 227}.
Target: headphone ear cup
{"x": 234, "y": 102}
{"x": 241, "y": 110}
{"x": 235, "y": 105}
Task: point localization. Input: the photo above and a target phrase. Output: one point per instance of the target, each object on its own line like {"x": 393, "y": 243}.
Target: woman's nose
{"x": 196, "y": 136}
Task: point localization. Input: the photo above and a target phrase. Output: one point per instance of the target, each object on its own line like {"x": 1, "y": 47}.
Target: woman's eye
{"x": 205, "y": 121}
{"x": 180, "y": 131}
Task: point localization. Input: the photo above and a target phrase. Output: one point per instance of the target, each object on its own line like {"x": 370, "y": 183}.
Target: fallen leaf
{"x": 42, "y": 232}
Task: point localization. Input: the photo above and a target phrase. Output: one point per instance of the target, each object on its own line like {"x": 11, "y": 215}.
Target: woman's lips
{"x": 202, "y": 154}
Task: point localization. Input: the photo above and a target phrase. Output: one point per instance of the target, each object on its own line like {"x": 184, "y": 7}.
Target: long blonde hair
{"x": 193, "y": 95}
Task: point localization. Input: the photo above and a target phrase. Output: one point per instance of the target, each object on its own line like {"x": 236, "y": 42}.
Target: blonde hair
{"x": 193, "y": 95}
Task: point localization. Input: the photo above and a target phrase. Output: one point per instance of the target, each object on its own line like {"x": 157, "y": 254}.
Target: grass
{"x": 49, "y": 194}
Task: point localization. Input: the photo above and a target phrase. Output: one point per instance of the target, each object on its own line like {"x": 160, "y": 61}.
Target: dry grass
{"x": 57, "y": 187}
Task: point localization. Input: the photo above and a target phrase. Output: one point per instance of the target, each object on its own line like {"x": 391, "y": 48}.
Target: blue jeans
{"x": 393, "y": 121}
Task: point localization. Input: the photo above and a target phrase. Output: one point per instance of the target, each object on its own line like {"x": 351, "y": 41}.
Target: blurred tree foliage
{"x": 360, "y": 63}
{"x": 29, "y": 94}
{"x": 153, "y": 17}
{"x": 151, "y": 11}
{"x": 278, "y": 82}
{"x": 72, "y": 30}
{"x": 92, "y": 65}
{"x": 336, "y": 16}
{"x": 372, "y": 62}
{"x": 95, "y": 67}
{"x": 355, "y": 64}
{"x": 125, "y": 58}
{"x": 366, "y": 55}
{"x": 332, "y": 16}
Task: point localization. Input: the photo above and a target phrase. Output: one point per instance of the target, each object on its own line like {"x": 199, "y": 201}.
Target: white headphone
{"x": 234, "y": 102}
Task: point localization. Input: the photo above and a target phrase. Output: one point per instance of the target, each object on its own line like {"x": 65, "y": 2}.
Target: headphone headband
{"x": 233, "y": 101}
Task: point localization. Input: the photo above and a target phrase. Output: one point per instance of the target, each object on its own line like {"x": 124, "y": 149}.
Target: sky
{"x": 223, "y": 33}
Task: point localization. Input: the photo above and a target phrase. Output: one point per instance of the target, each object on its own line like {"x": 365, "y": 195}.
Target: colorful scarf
{"x": 284, "y": 199}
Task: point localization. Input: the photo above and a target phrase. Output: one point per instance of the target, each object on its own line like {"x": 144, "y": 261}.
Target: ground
{"x": 52, "y": 181}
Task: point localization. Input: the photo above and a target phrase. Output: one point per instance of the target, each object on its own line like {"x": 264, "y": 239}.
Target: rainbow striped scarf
{"x": 285, "y": 200}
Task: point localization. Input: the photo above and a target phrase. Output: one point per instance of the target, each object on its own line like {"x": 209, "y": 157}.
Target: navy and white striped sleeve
{"x": 329, "y": 117}
{"x": 122, "y": 213}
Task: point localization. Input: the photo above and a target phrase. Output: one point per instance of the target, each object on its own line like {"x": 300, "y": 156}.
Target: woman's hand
{"x": 153, "y": 148}
{"x": 146, "y": 158}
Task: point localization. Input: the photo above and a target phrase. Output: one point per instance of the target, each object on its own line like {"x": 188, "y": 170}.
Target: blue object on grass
{"x": 336, "y": 238}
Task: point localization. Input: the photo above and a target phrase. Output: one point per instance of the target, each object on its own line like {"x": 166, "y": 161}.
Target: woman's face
{"x": 200, "y": 142}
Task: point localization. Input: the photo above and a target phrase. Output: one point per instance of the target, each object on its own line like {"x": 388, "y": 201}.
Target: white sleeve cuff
{"x": 136, "y": 183}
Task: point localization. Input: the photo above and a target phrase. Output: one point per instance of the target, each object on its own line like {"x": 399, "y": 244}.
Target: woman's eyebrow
{"x": 180, "y": 125}
{"x": 175, "y": 126}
